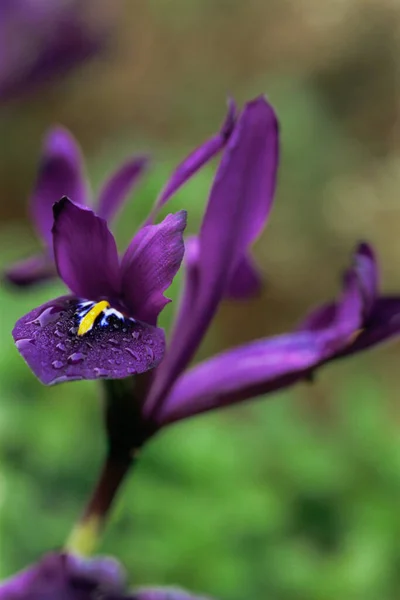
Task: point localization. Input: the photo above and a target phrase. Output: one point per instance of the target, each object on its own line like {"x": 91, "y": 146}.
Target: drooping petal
{"x": 150, "y": 264}
{"x": 60, "y": 174}
{"x": 366, "y": 267}
{"x": 31, "y": 271}
{"x": 265, "y": 365}
{"x": 66, "y": 577}
{"x": 85, "y": 252}
{"x": 121, "y": 183}
{"x": 239, "y": 204}
{"x": 165, "y": 594}
{"x": 196, "y": 160}
{"x": 110, "y": 346}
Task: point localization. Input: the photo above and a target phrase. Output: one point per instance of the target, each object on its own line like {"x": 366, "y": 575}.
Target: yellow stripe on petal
{"x": 88, "y": 320}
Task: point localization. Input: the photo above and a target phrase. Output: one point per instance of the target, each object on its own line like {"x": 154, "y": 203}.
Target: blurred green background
{"x": 292, "y": 498}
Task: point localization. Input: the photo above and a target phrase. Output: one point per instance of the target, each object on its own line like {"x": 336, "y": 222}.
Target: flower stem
{"x": 86, "y": 534}
{"x": 126, "y": 432}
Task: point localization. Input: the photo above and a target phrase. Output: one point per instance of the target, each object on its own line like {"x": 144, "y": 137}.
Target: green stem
{"x": 126, "y": 433}
{"x": 86, "y": 534}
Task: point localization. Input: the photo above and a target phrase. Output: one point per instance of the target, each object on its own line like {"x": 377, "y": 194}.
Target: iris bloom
{"x": 61, "y": 173}
{"x": 238, "y": 207}
{"x": 67, "y": 577}
{"x": 107, "y": 328}
{"x": 39, "y": 40}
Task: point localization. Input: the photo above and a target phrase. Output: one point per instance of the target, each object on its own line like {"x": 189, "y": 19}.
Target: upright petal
{"x": 85, "y": 252}
{"x": 60, "y": 174}
{"x": 30, "y": 271}
{"x": 197, "y": 159}
{"x": 239, "y": 204}
{"x": 150, "y": 264}
{"x": 112, "y": 347}
{"x": 264, "y": 365}
{"x": 121, "y": 183}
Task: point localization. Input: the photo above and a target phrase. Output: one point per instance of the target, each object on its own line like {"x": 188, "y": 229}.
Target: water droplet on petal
{"x": 58, "y": 333}
{"x": 75, "y": 358}
{"x": 57, "y": 364}
{"x": 24, "y": 343}
{"x": 49, "y": 315}
{"x": 73, "y": 330}
{"x": 61, "y": 347}
{"x": 136, "y": 335}
{"x": 134, "y": 354}
{"x": 124, "y": 330}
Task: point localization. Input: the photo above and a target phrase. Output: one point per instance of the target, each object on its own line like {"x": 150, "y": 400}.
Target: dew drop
{"x": 24, "y": 343}
{"x": 58, "y": 333}
{"x": 134, "y": 354}
{"x": 49, "y": 315}
{"x": 75, "y": 358}
{"x": 124, "y": 330}
{"x": 61, "y": 347}
{"x": 57, "y": 364}
{"x": 136, "y": 335}
{"x": 73, "y": 330}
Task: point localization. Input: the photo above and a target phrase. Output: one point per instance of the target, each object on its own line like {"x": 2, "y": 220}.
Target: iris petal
{"x": 150, "y": 264}
{"x": 115, "y": 347}
{"x": 116, "y": 189}
{"x": 60, "y": 174}
{"x": 35, "y": 269}
{"x": 85, "y": 251}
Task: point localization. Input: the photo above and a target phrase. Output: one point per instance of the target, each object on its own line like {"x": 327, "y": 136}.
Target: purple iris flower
{"x": 39, "y": 40}
{"x": 108, "y": 328}
{"x": 61, "y": 173}
{"x": 67, "y": 577}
